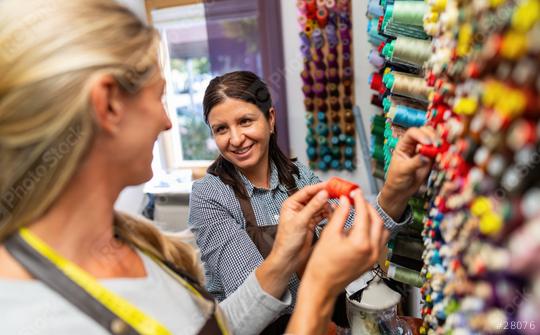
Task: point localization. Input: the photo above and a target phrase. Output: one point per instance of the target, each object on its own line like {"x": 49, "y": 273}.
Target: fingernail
{"x": 343, "y": 200}
{"x": 425, "y": 159}
{"x": 355, "y": 192}
{"x": 322, "y": 195}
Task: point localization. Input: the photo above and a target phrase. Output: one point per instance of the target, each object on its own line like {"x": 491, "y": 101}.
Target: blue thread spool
{"x": 348, "y": 165}
{"x": 310, "y": 140}
{"x": 327, "y": 159}
{"x": 322, "y": 166}
{"x": 336, "y": 165}
{"x": 321, "y": 116}
{"x": 324, "y": 150}
{"x": 310, "y": 120}
{"x": 348, "y": 152}
{"x": 334, "y": 140}
{"x": 311, "y": 153}
{"x": 342, "y": 138}
{"x": 322, "y": 129}
{"x": 323, "y": 140}
{"x": 349, "y": 141}
{"x": 336, "y": 152}
{"x": 336, "y": 129}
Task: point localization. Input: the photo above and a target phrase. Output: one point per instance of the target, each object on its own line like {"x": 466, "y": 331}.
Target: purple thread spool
{"x": 347, "y": 72}
{"x": 344, "y": 31}
{"x": 346, "y": 59}
{"x": 306, "y": 77}
{"x": 331, "y": 59}
{"x": 346, "y": 49}
{"x": 330, "y": 30}
{"x": 305, "y": 51}
{"x": 320, "y": 77}
{"x": 319, "y": 64}
{"x": 375, "y": 59}
{"x": 308, "y": 91}
{"x": 332, "y": 17}
{"x": 319, "y": 90}
{"x": 317, "y": 38}
{"x": 304, "y": 38}
{"x": 333, "y": 75}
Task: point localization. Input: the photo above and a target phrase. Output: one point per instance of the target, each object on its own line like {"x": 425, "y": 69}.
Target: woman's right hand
{"x": 338, "y": 258}
{"x": 341, "y": 256}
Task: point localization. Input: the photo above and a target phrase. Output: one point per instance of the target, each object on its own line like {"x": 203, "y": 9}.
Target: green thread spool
{"x": 408, "y": 50}
{"x": 405, "y": 275}
{"x": 407, "y": 247}
{"x": 408, "y": 12}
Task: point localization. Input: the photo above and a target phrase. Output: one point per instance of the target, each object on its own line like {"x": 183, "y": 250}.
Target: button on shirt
{"x": 228, "y": 253}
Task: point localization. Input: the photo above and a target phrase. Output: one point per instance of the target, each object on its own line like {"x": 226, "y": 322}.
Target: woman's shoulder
{"x": 210, "y": 186}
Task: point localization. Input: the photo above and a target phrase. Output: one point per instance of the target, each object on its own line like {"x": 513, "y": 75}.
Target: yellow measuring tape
{"x": 137, "y": 319}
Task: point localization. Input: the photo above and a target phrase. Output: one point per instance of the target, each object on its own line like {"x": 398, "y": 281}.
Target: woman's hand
{"x": 407, "y": 172}
{"x": 299, "y": 215}
{"x": 338, "y": 258}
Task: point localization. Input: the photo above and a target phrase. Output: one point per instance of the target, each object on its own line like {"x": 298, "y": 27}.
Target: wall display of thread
{"x": 328, "y": 83}
{"x": 483, "y": 225}
{"x": 400, "y": 49}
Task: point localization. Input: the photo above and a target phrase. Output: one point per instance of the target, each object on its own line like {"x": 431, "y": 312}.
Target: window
{"x": 199, "y": 42}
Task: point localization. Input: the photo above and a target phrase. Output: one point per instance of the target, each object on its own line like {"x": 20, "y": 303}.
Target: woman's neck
{"x": 259, "y": 176}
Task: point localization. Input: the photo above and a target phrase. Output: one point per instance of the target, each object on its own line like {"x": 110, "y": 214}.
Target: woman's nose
{"x": 237, "y": 137}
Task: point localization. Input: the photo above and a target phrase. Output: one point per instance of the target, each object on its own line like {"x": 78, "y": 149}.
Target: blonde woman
{"x": 80, "y": 110}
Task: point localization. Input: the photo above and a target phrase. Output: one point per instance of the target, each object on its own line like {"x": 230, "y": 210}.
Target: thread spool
{"x": 302, "y": 21}
{"x": 317, "y": 39}
{"x": 347, "y": 103}
{"x": 319, "y": 76}
{"x": 348, "y": 164}
{"x": 321, "y": 3}
{"x": 301, "y": 5}
{"x": 321, "y": 105}
{"x": 311, "y": 7}
{"x": 408, "y": 50}
{"x": 376, "y": 100}
{"x": 333, "y": 75}
{"x": 347, "y": 72}
{"x": 406, "y": 116}
{"x": 407, "y": 85}
{"x": 349, "y": 129}
{"x": 304, "y": 38}
{"x": 308, "y": 91}
{"x": 375, "y": 59}
{"x": 330, "y": 4}
{"x": 408, "y": 12}
{"x": 333, "y": 89}
{"x": 322, "y": 16}
{"x": 306, "y": 77}
{"x": 306, "y": 52}
{"x": 319, "y": 90}
{"x": 405, "y": 275}
{"x": 309, "y": 105}
{"x": 334, "y": 104}
{"x": 331, "y": 59}
{"x": 335, "y": 116}
{"x": 374, "y": 9}
{"x": 347, "y": 87}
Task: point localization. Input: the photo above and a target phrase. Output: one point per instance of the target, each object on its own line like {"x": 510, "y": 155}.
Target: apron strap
{"x": 43, "y": 269}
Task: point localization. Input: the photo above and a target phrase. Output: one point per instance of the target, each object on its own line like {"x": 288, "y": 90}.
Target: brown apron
{"x": 263, "y": 238}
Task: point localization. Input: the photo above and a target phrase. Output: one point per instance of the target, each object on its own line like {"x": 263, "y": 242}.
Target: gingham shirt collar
{"x": 274, "y": 181}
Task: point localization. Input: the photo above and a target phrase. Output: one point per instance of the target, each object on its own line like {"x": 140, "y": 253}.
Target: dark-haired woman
{"x": 234, "y": 209}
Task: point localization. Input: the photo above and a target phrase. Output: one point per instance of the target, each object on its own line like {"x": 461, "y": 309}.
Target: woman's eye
{"x": 245, "y": 122}
{"x": 219, "y": 130}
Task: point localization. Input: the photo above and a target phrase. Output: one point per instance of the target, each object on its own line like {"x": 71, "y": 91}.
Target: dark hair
{"x": 248, "y": 87}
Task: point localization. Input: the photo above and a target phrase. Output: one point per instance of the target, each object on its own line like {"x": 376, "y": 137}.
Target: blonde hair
{"x": 49, "y": 57}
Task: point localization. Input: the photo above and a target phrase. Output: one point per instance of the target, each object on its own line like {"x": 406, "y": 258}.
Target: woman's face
{"x": 242, "y": 133}
{"x": 144, "y": 119}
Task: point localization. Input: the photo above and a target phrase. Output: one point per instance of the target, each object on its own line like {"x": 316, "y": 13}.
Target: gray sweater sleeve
{"x": 250, "y": 309}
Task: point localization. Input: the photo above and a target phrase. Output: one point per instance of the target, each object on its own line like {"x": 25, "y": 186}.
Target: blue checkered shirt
{"x": 228, "y": 253}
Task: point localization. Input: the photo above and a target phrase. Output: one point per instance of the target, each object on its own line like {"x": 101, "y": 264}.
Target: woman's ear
{"x": 272, "y": 119}
{"x": 105, "y": 97}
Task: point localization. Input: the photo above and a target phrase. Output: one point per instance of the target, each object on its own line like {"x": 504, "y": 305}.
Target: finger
{"x": 361, "y": 226}
{"x": 305, "y": 194}
{"x": 411, "y": 138}
{"x": 314, "y": 206}
{"x": 337, "y": 222}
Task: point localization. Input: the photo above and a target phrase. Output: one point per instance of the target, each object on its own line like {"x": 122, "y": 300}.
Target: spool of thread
{"x": 344, "y": 14}
{"x": 375, "y": 9}
{"x": 311, "y": 153}
{"x": 319, "y": 64}
{"x": 308, "y": 91}
{"x": 306, "y": 52}
{"x": 347, "y": 87}
{"x": 405, "y": 275}
{"x": 333, "y": 89}
{"x": 310, "y": 140}
{"x": 347, "y": 72}
{"x": 309, "y": 105}
{"x": 308, "y": 29}
{"x": 322, "y": 129}
{"x": 407, "y": 85}
{"x": 311, "y": 8}
{"x": 322, "y": 16}
{"x": 304, "y": 38}
{"x": 408, "y": 50}
{"x": 306, "y": 77}
{"x": 320, "y": 105}
{"x": 333, "y": 75}
{"x": 406, "y": 116}
{"x": 406, "y": 262}
{"x": 348, "y": 152}
{"x": 302, "y": 21}
{"x": 375, "y": 59}
{"x": 319, "y": 77}
{"x": 301, "y": 5}
{"x": 336, "y": 165}
{"x": 348, "y": 104}
{"x": 376, "y": 100}
{"x": 429, "y": 151}
{"x": 408, "y": 12}
{"x": 317, "y": 39}
{"x": 344, "y": 31}
{"x": 334, "y": 104}
{"x": 349, "y": 129}
{"x": 335, "y": 116}
{"x": 407, "y": 247}
{"x": 321, "y": 3}
{"x": 322, "y": 166}
{"x": 348, "y": 115}
{"x": 331, "y": 59}
{"x": 322, "y": 141}
{"x": 336, "y": 130}
{"x": 375, "y": 82}
{"x": 331, "y": 4}
{"x": 319, "y": 90}
{"x": 348, "y": 165}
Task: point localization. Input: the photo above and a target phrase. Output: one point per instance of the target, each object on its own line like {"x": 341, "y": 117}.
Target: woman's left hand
{"x": 298, "y": 218}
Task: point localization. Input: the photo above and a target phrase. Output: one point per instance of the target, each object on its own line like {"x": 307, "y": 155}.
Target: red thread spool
{"x": 337, "y": 187}
{"x": 429, "y": 151}
{"x": 322, "y": 17}
{"x": 311, "y": 7}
